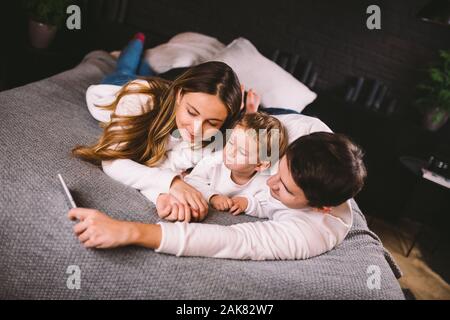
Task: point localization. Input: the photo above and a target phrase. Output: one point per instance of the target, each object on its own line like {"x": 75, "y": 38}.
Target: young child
{"x": 229, "y": 179}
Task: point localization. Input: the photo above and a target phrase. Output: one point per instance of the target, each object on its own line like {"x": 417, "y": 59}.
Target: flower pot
{"x": 41, "y": 34}
{"x": 435, "y": 119}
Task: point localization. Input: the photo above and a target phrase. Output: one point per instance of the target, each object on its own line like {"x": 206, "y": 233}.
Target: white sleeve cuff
{"x": 171, "y": 238}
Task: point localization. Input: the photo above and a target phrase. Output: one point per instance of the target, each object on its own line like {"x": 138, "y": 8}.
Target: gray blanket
{"x": 40, "y": 123}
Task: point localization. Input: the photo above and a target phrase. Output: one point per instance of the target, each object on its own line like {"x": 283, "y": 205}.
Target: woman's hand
{"x": 188, "y": 196}
{"x": 97, "y": 230}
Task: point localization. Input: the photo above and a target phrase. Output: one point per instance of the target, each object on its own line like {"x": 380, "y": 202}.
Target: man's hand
{"x": 169, "y": 208}
{"x": 97, "y": 230}
{"x": 239, "y": 205}
{"x": 220, "y": 202}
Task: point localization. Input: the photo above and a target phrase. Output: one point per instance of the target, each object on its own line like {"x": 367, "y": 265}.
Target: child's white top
{"x": 151, "y": 181}
{"x": 210, "y": 176}
{"x": 289, "y": 234}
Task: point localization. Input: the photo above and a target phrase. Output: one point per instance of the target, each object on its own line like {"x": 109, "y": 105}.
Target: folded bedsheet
{"x": 40, "y": 123}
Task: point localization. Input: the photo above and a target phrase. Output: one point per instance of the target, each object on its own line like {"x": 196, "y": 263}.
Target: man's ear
{"x": 263, "y": 165}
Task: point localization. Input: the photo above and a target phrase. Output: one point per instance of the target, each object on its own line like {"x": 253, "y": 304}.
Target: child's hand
{"x": 221, "y": 203}
{"x": 239, "y": 205}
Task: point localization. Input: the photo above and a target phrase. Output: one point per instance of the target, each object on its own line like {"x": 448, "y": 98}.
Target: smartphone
{"x": 67, "y": 192}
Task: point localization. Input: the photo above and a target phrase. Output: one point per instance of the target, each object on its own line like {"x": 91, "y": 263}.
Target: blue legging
{"x": 129, "y": 65}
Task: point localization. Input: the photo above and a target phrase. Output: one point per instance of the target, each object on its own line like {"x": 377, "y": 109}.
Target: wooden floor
{"x": 418, "y": 277}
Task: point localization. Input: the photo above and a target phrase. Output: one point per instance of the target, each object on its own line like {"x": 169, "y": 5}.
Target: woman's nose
{"x": 198, "y": 128}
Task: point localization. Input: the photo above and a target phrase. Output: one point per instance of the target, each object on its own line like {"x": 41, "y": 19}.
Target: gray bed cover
{"x": 40, "y": 123}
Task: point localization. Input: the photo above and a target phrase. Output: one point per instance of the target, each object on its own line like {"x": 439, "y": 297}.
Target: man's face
{"x": 284, "y": 189}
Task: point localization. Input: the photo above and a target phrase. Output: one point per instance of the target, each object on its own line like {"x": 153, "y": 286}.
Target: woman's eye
{"x": 191, "y": 113}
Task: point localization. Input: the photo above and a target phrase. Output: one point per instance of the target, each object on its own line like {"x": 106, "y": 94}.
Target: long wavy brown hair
{"x": 143, "y": 138}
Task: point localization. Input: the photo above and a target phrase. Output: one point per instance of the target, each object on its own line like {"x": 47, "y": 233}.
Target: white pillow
{"x": 183, "y": 50}
{"x": 277, "y": 87}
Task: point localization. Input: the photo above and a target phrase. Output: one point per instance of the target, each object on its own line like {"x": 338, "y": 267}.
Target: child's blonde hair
{"x": 272, "y": 129}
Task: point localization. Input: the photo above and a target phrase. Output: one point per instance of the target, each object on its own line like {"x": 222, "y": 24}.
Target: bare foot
{"x": 253, "y": 101}
{"x": 115, "y": 54}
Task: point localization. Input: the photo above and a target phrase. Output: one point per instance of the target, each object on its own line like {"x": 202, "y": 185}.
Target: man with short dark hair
{"x": 319, "y": 170}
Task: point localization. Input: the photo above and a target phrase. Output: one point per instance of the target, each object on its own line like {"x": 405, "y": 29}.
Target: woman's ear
{"x": 179, "y": 95}
{"x": 263, "y": 165}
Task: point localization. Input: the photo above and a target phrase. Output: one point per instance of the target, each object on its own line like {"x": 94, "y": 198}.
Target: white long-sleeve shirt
{"x": 151, "y": 181}
{"x": 210, "y": 176}
{"x": 289, "y": 234}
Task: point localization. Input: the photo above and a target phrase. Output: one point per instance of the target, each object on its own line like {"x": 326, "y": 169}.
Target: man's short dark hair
{"x": 328, "y": 167}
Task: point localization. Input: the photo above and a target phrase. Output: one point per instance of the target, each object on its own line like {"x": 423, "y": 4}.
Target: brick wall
{"x": 331, "y": 33}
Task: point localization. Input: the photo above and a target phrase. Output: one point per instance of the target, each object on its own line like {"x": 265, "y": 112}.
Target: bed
{"x": 41, "y": 122}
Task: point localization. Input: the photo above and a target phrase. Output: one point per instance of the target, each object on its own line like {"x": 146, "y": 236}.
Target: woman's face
{"x": 199, "y": 115}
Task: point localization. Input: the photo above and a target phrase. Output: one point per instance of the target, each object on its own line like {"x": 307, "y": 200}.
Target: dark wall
{"x": 331, "y": 33}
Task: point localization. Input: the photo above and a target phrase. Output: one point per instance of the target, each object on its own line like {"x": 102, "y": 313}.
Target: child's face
{"x": 283, "y": 187}
{"x": 241, "y": 151}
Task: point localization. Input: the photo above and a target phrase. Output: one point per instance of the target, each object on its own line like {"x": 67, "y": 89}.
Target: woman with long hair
{"x": 155, "y": 129}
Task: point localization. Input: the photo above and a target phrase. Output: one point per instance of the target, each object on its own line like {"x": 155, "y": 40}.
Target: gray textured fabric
{"x": 40, "y": 123}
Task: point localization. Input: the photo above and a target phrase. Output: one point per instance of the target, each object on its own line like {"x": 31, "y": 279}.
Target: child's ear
{"x": 263, "y": 165}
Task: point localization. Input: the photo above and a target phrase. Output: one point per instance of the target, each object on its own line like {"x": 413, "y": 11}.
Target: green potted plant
{"x": 45, "y": 17}
{"x": 434, "y": 93}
